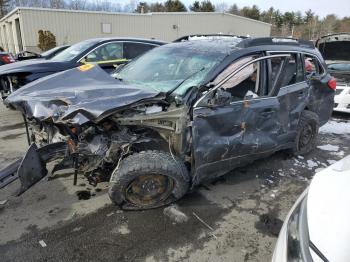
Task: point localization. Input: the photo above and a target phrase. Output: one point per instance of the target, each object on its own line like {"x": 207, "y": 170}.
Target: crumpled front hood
{"x": 34, "y": 66}
{"x": 76, "y": 96}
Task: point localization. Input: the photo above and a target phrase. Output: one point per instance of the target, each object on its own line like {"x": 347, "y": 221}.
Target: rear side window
{"x": 261, "y": 78}
{"x": 312, "y": 66}
{"x": 132, "y": 50}
{"x": 285, "y": 71}
{"x": 106, "y": 52}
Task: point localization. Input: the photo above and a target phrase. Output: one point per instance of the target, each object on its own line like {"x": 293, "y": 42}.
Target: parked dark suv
{"x": 176, "y": 116}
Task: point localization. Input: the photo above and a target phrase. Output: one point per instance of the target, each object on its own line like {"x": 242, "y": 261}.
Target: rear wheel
{"x": 307, "y": 133}
{"x": 147, "y": 180}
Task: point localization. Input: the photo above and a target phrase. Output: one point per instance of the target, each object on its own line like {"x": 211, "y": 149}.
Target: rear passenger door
{"x": 292, "y": 80}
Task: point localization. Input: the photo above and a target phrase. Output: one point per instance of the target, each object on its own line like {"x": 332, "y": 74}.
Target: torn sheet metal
{"x": 76, "y": 96}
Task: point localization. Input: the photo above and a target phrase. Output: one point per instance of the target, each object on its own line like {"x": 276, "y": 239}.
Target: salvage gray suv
{"x": 178, "y": 115}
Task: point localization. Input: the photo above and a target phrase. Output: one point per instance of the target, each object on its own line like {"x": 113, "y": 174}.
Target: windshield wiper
{"x": 183, "y": 81}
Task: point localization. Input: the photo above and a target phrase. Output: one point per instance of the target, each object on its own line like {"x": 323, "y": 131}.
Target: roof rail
{"x": 188, "y": 37}
{"x": 275, "y": 41}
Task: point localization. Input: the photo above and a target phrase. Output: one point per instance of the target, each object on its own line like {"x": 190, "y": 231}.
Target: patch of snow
{"x": 76, "y": 229}
{"x": 300, "y": 157}
{"x": 311, "y": 164}
{"x": 334, "y": 127}
{"x": 328, "y": 147}
{"x": 340, "y": 153}
{"x": 123, "y": 229}
{"x": 331, "y": 162}
{"x": 175, "y": 214}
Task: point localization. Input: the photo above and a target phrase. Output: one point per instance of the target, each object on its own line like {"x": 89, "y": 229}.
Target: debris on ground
{"x": 175, "y": 214}
{"x": 3, "y": 202}
{"x": 204, "y": 223}
{"x": 42, "y": 243}
{"x": 76, "y": 229}
{"x": 110, "y": 214}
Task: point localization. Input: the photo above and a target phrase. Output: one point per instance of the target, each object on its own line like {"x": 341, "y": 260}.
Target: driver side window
{"x": 246, "y": 83}
{"x": 110, "y": 51}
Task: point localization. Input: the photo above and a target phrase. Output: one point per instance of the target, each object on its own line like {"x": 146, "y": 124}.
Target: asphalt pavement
{"x": 234, "y": 218}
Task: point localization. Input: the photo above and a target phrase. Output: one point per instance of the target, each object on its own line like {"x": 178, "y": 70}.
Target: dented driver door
{"x": 233, "y": 131}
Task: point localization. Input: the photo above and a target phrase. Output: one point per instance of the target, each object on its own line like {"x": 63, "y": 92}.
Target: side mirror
{"x": 221, "y": 97}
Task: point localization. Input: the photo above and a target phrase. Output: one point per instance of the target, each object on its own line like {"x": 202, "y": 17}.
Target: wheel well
{"x": 155, "y": 142}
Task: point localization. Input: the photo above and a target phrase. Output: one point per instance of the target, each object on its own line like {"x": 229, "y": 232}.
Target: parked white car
{"x": 335, "y": 49}
{"x": 342, "y": 97}
{"x": 318, "y": 226}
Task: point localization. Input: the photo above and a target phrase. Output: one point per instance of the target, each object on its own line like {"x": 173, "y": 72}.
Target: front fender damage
{"x": 32, "y": 167}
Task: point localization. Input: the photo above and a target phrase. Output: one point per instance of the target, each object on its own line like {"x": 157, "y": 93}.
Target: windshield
{"x": 49, "y": 52}
{"x": 74, "y": 51}
{"x": 170, "y": 67}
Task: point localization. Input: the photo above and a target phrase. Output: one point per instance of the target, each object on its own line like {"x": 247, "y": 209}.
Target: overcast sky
{"x": 321, "y": 7}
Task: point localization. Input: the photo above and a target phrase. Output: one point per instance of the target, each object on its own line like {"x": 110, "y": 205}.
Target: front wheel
{"x": 147, "y": 180}
{"x": 307, "y": 133}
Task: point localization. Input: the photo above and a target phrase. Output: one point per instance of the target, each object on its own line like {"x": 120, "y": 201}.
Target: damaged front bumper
{"x": 32, "y": 167}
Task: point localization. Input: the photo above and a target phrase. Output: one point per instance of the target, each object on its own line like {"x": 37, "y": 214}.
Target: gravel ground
{"x": 235, "y": 218}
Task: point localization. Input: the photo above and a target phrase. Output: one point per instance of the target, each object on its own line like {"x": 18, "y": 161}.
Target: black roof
{"x": 207, "y": 36}
{"x": 278, "y": 41}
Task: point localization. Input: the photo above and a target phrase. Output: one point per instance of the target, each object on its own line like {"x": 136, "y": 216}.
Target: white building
{"x": 19, "y": 29}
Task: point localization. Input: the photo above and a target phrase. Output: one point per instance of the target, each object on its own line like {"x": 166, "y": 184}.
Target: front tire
{"x": 148, "y": 179}
{"x": 307, "y": 133}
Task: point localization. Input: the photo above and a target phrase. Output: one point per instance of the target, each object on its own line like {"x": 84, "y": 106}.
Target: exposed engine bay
{"x": 97, "y": 149}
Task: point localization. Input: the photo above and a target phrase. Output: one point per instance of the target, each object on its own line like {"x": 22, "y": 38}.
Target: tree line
{"x": 306, "y": 25}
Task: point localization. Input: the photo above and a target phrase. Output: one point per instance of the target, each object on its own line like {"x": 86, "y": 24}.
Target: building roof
{"x": 18, "y": 9}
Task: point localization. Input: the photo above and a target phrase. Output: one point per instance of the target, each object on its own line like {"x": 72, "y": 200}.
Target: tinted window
{"x": 106, "y": 52}
{"x": 285, "y": 71}
{"x": 132, "y": 50}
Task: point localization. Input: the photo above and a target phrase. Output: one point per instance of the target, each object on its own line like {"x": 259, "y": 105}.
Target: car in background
{"x": 317, "y": 227}
{"x": 6, "y": 58}
{"x": 174, "y": 117}
{"x": 108, "y": 53}
{"x": 27, "y": 55}
{"x": 335, "y": 49}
